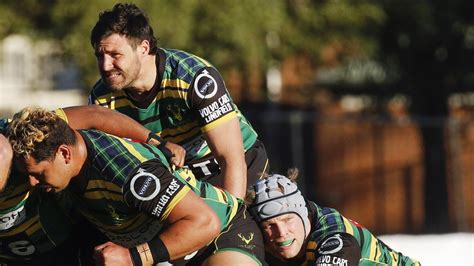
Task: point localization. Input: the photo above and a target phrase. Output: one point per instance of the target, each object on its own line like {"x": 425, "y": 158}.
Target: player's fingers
{"x": 177, "y": 162}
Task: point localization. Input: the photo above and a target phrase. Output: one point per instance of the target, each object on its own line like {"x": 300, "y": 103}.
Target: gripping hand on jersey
{"x": 173, "y": 152}
{"x": 177, "y": 152}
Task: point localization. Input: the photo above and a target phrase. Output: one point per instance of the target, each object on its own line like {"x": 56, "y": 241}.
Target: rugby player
{"x": 148, "y": 212}
{"x": 34, "y": 230}
{"x": 178, "y": 95}
{"x": 300, "y": 232}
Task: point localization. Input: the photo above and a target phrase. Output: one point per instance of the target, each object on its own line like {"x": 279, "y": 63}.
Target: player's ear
{"x": 144, "y": 47}
{"x": 64, "y": 151}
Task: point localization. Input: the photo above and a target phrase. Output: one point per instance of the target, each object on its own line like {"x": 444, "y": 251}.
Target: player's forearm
{"x": 6, "y": 156}
{"x": 226, "y": 144}
{"x": 188, "y": 235}
{"x": 235, "y": 176}
{"x": 106, "y": 120}
{"x": 180, "y": 239}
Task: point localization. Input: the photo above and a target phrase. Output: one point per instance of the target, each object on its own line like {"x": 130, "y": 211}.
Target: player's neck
{"x": 80, "y": 156}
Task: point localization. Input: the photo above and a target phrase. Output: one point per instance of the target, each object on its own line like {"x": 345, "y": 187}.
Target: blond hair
{"x": 37, "y": 132}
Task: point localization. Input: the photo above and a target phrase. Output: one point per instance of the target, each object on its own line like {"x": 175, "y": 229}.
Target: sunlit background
{"x": 372, "y": 100}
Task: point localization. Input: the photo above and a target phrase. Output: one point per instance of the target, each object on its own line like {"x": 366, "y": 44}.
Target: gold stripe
{"x": 219, "y": 121}
{"x": 180, "y": 129}
{"x": 394, "y": 258}
{"x": 112, "y": 102}
{"x": 132, "y": 150}
{"x": 220, "y": 195}
{"x": 35, "y": 227}
{"x": 181, "y": 93}
{"x": 312, "y": 244}
{"x": 177, "y": 136}
{"x": 97, "y": 195}
{"x": 175, "y": 201}
{"x": 60, "y": 112}
{"x": 21, "y": 196}
{"x": 185, "y": 173}
{"x": 176, "y": 83}
{"x": 104, "y": 184}
{"x": 373, "y": 248}
{"x": 234, "y": 208}
{"x": 348, "y": 226}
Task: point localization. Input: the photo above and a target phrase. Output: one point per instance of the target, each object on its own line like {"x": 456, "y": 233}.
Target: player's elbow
{"x": 210, "y": 225}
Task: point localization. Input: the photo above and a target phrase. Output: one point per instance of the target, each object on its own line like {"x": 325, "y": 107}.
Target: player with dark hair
{"x": 148, "y": 212}
{"x": 178, "y": 95}
{"x": 300, "y": 232}
{"x": 34, "y": 230}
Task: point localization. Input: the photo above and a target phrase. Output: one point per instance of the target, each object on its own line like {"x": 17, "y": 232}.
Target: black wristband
{"x": 158, "y": 250}
{"x": 152, "y": 135}
{"x": 136, "y": 260}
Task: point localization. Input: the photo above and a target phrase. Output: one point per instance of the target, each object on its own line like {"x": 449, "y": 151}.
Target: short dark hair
{"x": 127, "y": 20}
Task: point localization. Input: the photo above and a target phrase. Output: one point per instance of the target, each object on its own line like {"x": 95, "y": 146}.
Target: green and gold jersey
{"x": 328, "y": 222}
{"x": 189, "y": 97}
{"x": 131, "y": 189}
{"x": 30, "y": 224}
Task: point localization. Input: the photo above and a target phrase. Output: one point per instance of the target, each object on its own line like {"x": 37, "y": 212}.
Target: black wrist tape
{"x": 152, "y": 135}
{"x": 158, "y": 250}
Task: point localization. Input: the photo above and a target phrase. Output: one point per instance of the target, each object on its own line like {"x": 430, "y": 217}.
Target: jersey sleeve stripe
{"x": 348, "y": 226}
{"x": 179, "y": 196}
{"x": 219, "y": 121}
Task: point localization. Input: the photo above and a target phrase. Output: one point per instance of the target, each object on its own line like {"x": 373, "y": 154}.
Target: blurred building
{"x": 33, "y": 72}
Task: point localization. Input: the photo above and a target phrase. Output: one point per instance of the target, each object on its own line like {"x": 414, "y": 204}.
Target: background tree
{"x": 431, "y": 44}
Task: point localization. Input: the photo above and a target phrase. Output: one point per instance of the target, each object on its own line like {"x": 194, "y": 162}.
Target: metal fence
{"x": 371, "y": 168}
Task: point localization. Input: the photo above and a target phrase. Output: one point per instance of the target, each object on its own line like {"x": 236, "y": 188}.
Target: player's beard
{"x": 119, "y": 79}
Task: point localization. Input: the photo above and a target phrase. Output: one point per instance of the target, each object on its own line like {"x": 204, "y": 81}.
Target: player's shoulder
{"x": 99, "y": 89}
{"x": 179, "y": 59}
{"x": 3, "y": 125}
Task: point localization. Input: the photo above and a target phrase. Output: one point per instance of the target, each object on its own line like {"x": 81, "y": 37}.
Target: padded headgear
{"x": 277, "y": 195}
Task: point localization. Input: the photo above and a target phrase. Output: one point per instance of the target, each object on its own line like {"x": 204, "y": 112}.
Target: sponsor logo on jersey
{"x": 144, "y": 185}
{"x": 164, "y": 199}
{"x": 216, "y": 109}
{"x": 8, "y": 220}
{"x": 331, "y": 245}
{"x": 175, "y": 112}
{"x": 246, "y": 239}
{"x": 328, "y": 260}
{"x": 205, "y": 85}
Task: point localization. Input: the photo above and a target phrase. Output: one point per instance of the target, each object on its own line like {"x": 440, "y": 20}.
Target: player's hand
{"x": 110, "y": 254}
{"x": 178, "y": 154}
